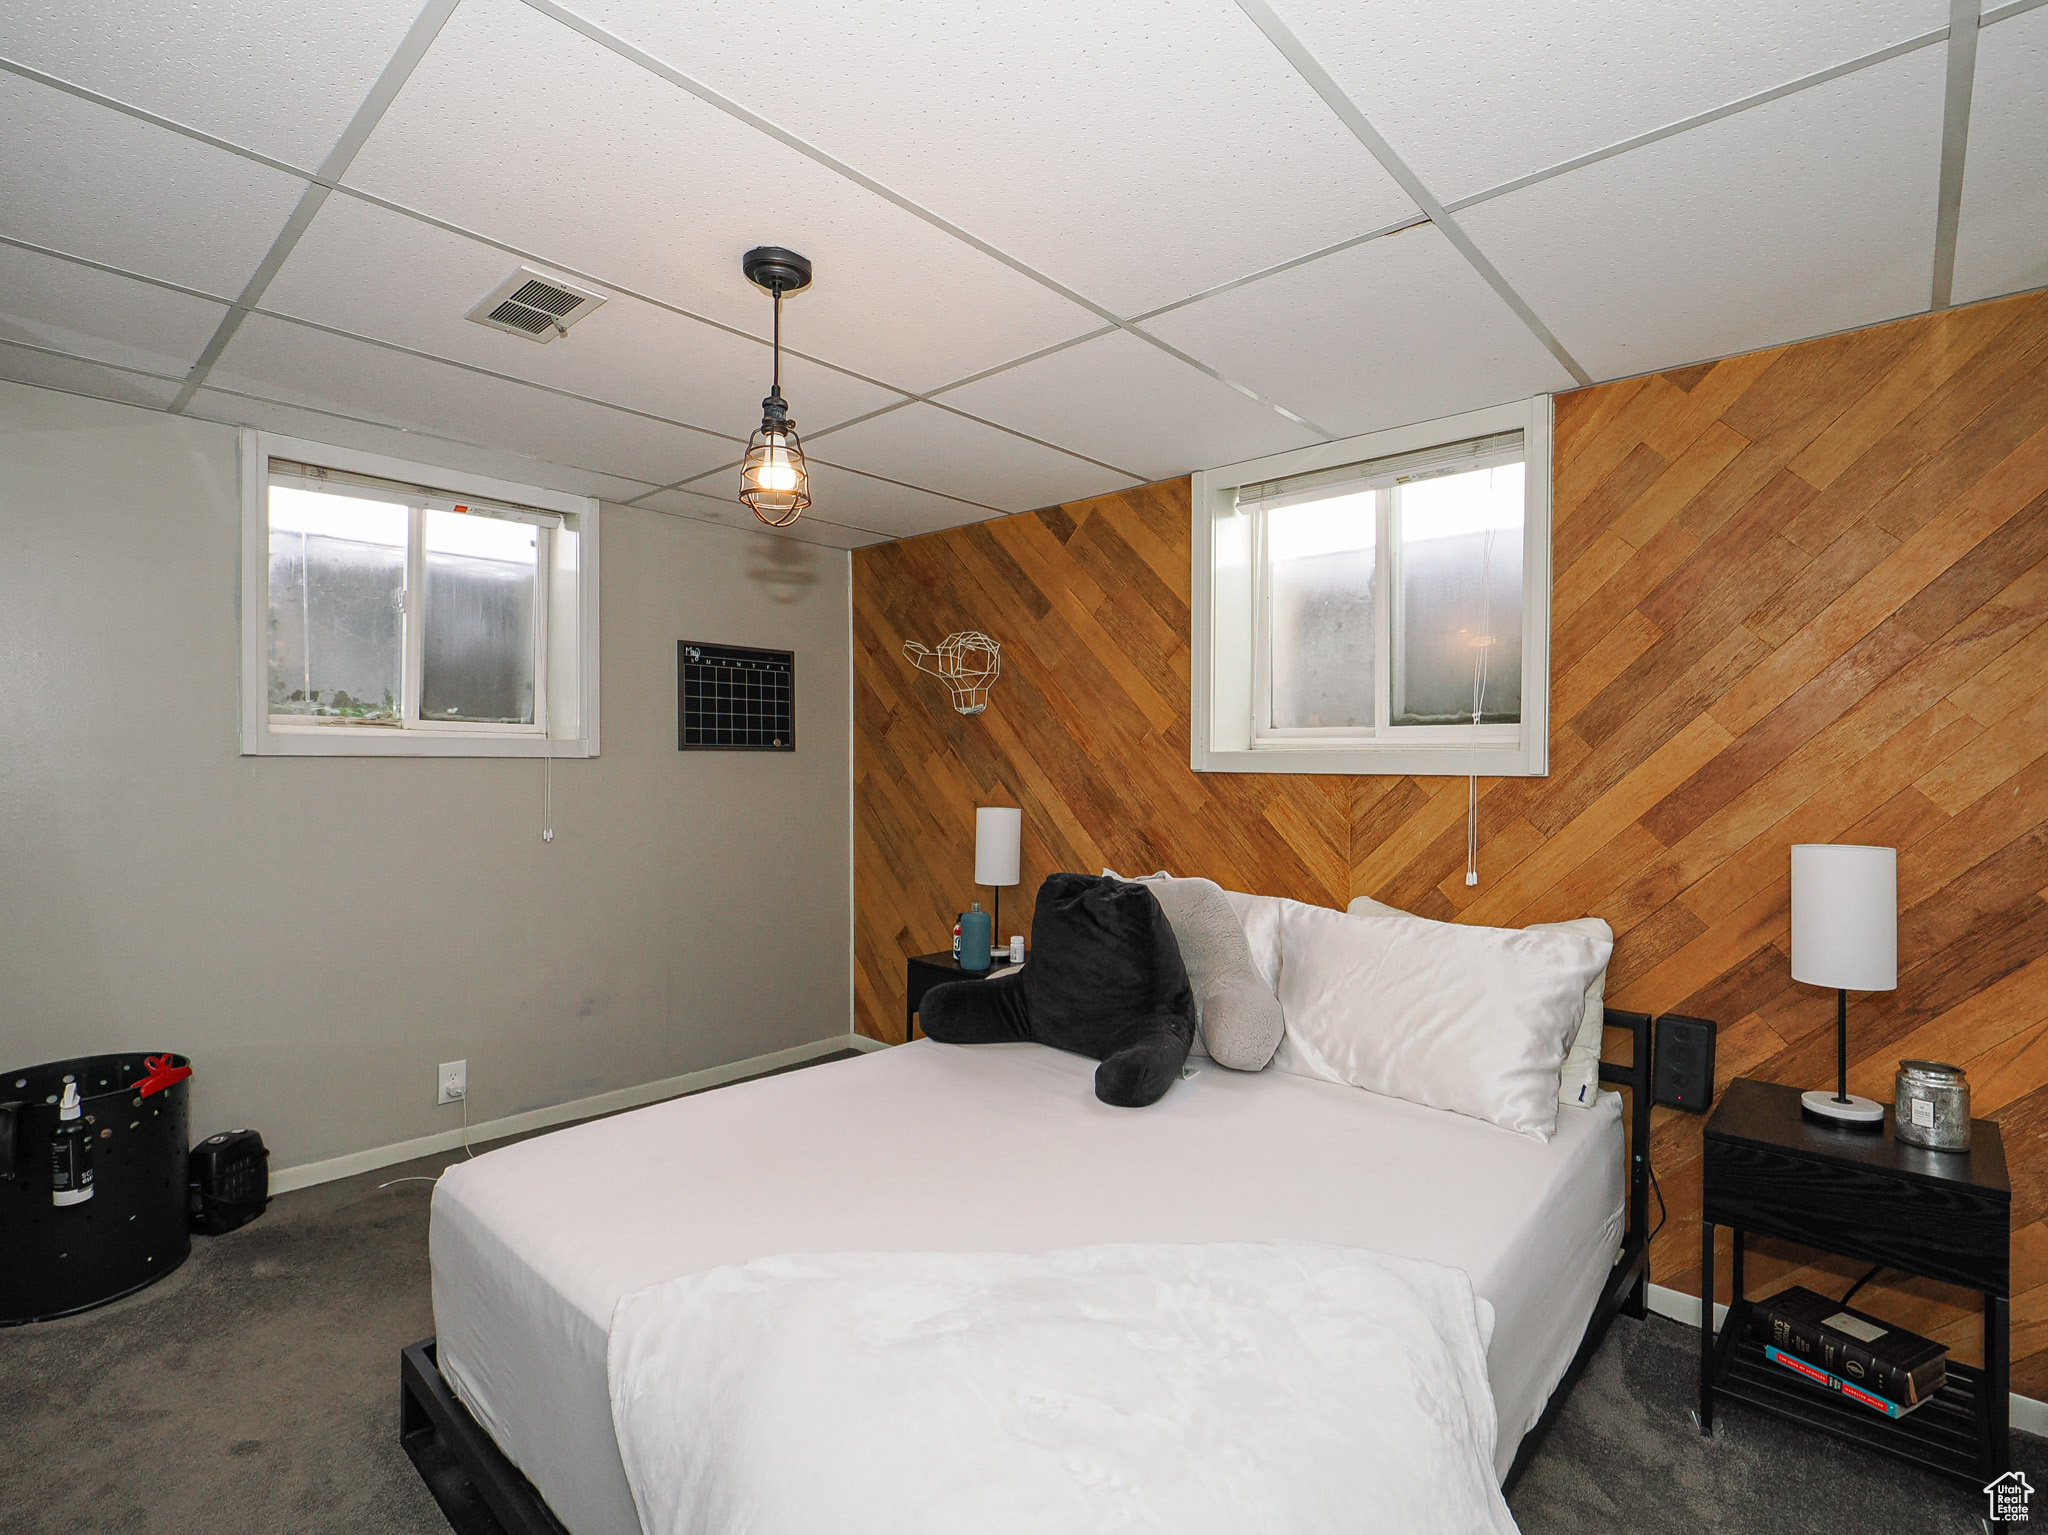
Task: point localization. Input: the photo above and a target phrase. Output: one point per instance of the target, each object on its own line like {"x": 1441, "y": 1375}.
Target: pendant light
{"x": 774, "y": 481}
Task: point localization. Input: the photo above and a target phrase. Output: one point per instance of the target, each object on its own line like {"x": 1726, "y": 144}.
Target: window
{"x": 392, "y": 616}
{"x": 1380, "y": 605}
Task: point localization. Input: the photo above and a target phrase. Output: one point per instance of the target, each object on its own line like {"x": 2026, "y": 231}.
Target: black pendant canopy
{"x": 774, "y": 480}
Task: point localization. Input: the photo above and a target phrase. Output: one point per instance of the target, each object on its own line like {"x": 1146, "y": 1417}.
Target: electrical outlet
{"x": 453, "y": 1082}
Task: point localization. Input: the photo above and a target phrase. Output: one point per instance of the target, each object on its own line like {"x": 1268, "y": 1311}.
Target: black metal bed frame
{"x": 483, "y": 1493}
{"x": 1627, "y": 1291}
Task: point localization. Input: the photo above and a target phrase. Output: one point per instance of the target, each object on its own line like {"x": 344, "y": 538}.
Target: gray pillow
{"x": 1238, "y": 1013}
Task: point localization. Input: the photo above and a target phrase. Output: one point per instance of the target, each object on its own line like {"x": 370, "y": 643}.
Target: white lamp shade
{"x": 997, "y": 836}
{"x": 1845, "y": 916}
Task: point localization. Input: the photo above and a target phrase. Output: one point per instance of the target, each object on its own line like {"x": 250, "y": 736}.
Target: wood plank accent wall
{"x": 1799, "y": 597}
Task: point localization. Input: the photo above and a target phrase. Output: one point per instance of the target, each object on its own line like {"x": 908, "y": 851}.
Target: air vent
{"x": 531, "y": 305}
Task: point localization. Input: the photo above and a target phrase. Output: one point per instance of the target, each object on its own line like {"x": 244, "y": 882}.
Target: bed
{"x": 928, "y": 1147}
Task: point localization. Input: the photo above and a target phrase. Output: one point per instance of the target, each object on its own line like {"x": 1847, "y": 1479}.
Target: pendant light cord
{"x": 775, "y": 382}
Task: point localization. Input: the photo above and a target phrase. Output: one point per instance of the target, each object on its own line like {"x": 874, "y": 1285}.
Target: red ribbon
{"x": 162, "y": 1074}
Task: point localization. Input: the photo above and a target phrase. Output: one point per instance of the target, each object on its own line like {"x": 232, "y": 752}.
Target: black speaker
{"x": 1684, "y": 1075}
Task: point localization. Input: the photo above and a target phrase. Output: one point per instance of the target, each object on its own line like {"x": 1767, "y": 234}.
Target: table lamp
{"x": 998, "y": 833}
{"x": 1845, "y": 934}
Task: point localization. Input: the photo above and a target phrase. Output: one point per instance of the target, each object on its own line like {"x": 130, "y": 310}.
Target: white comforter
{"x": 1219, "y": 1387}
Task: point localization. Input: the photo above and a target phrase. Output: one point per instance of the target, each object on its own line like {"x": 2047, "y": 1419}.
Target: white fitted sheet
{"x": 931, "y": 1147}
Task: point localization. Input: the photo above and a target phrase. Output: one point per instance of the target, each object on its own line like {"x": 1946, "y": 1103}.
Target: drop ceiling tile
{"x": 280, "y": 77}
{"x": 524, "y": 131}
{"x": 282, "y": 361}
{"x": 807, "y": 529}
{"x": 22, "y": 366}
{"x": 1814, "y": 213}
{"x": 1497, "y": 89}
{"x": 1121, "y": 399}
{"x": 627, "y": 352}
{"x": 93, "y": 182}
{"x": 1138, "y": 152}
{"x": 933, "y": 448}
{"x": 98, "y": 316}
{"x": 418, "y": 447}
{"x": 1397, "y": 330}
{"x": 2002, "y": 244}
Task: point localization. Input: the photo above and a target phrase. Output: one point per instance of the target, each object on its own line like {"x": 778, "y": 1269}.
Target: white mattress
{"x": 929, "y": 1147}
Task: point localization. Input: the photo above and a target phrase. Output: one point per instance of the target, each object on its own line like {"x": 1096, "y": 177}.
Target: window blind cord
{"x": 1478, "y": 699}
{"x": 547, "y": 799}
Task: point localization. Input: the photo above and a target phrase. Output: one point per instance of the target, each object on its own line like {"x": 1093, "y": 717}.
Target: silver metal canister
{"x": 1932, "y": 1106}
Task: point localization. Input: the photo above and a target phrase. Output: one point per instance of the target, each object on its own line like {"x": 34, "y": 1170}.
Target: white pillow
{"x": 1260, "y": 915}
{"x": 1579, "y": 1083}
{"x": 1476, "y": 1020}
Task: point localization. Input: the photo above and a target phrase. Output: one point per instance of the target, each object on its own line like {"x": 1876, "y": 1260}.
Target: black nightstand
{"x": 1942, "y": 1214}
{"x": 929, "y": 970}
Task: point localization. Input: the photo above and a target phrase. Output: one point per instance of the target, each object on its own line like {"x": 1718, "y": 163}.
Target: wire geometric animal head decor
{"x": 968, "y": 663}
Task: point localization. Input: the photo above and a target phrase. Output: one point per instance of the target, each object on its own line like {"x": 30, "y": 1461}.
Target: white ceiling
{"x": 1061, "y": 247}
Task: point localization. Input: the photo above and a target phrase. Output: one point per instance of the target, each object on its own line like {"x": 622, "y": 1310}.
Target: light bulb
{"x": 778, "y": 473}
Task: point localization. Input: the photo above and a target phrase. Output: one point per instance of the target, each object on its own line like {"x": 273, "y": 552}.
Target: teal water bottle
{"x": 977, "y": 930}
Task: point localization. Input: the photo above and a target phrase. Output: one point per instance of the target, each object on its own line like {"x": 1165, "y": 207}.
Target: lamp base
{"x": 1850, "y": 1113}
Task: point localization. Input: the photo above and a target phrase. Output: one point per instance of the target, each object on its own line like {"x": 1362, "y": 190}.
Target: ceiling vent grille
{"x": 534, "y": 306}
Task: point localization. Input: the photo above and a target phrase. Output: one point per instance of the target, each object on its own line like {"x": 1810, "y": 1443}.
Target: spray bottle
{"x": 70, "y": 1152}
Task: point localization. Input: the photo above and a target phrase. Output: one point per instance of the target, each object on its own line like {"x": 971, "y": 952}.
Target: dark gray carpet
{"x": 252, "y": 1392}
{"x": 1624, "y": 1456}
{"x": 255, "y": 1391}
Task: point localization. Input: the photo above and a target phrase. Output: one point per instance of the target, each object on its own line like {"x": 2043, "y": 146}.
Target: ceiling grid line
{"x": 866, "y": 474}
{"x": 154, "y": 119}
{"x": 1702, "y": 119}
{"x": 371, "y": 199}
{"x": 569, "y": 394}
{"x": 640, "y": 503}
{"x": 635, "y": 502}
{"x": 63, "y": 356}
{"x": 1279, "y": 267}
{"x": 1305, "y": 64}
{"x": 1964, "y": 20}
{"x": 1132, "y": 324}
{"x": 704, "y": 93}
{"x": 390, "y": 80}
{"x": 339, "y": 415}
{"x": 113, "y": 271}
{"x": 492, "y": 373}
{"x": 411, "y": 431}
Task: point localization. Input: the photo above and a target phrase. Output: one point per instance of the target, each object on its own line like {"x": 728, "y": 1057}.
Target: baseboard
{"x": 2028, "y": 1415}
{"x": 306, "y": 1174}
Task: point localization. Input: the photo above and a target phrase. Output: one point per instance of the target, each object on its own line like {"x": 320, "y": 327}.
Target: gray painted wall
{"x": 319, "y": 933}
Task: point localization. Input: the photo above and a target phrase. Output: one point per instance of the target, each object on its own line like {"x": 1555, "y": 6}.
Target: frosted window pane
{"x": 1319, "y": 590}
{"x": 337, "y": 605}
{"x": 477, "y": 661}
{"x": 1459, "y": 604}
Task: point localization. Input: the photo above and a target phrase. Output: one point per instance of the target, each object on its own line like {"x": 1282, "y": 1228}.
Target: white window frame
{"x": 566, "y": 619}
{"x": 1229, "y": 642}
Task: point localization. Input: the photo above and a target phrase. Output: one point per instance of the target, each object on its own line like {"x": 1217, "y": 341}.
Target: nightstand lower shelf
{"x": 1948, "y": 1434}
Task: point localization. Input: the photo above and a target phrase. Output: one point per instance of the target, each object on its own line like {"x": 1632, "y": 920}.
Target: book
{"x": 1873, "y": 1355}
{"x": 1849, "y": 1389}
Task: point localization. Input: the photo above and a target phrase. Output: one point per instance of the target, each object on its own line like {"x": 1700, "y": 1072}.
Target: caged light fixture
{"x": 774, "y": 481}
